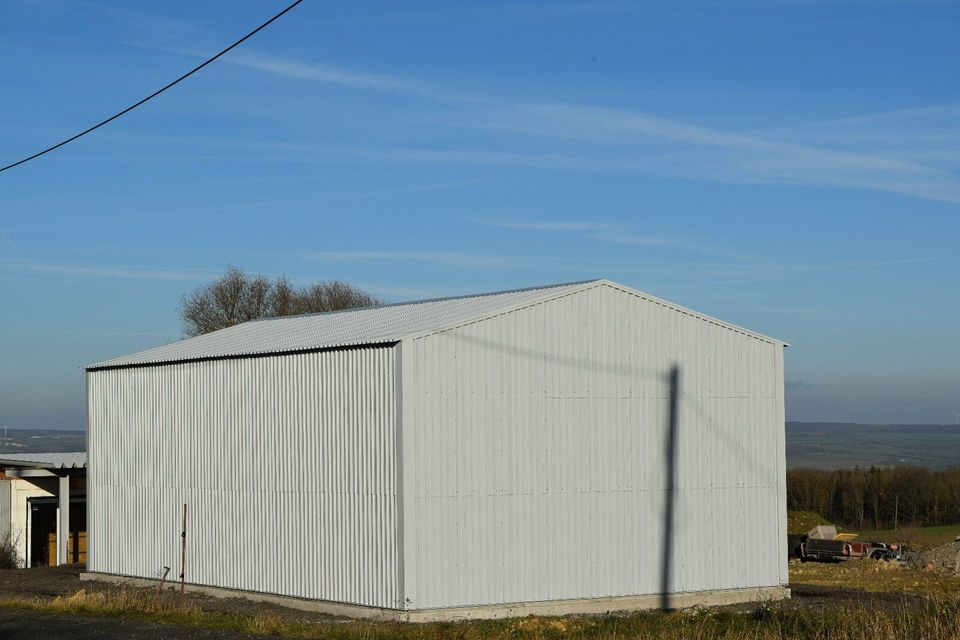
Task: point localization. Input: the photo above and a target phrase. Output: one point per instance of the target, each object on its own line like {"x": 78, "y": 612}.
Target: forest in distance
{"x": 877, "y": 498}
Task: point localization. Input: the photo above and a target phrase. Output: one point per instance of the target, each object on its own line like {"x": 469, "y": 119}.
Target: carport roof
{"x": 68, "y": 460}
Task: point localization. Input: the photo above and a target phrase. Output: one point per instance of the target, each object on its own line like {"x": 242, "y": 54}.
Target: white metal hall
{"x": 574, "y": 447}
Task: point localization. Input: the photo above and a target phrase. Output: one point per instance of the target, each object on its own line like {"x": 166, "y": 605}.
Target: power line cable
{"x": 157, "y": 92}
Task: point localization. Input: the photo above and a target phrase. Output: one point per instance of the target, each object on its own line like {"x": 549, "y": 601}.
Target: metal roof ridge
{"x": 582, "y": 285}
{"x": 388, "y": 305}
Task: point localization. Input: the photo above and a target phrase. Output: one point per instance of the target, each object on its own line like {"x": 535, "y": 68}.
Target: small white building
{"x": 577, "y": 447}
{"x": 43, "y": 507}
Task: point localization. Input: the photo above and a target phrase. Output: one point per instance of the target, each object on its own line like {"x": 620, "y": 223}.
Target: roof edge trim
{"x": 243, "y": 356}
{"x": 695, "y": 314}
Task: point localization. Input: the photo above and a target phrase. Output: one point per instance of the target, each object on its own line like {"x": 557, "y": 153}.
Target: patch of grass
{"x": 927, "y": 537}
{"x": 931, "y": 619}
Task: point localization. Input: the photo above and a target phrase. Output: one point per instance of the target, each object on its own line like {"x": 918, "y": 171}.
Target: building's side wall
{"x": 287, "y": 465}
{"x": 534, "y": 453}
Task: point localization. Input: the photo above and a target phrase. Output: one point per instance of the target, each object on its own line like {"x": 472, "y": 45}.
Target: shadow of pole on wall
{"x": 670, "y": 484}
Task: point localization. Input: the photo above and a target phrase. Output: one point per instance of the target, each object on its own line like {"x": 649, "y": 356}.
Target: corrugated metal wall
{"x": 534, "y": 443}
{"x": 287, "y": 465}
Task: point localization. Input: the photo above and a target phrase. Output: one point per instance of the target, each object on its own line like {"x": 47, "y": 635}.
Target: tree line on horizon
{"x": 877, "y": 498}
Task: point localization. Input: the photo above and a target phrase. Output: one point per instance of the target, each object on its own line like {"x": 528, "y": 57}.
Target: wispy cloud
{"x": 86, "y": 270}
{"x": 736, "y": 267}
{"x": 548, "y": 225}
{"x": 495, "y": 12}
{"x": 439, "y": 257}
{"x": 928, "y": 134}
{"x": 618, "y": 234}
{"x": 395, "y": 292}
{"x": 331, "y": 74}
{"x": 158, "y": 33}
{"x": 638, "y": 142}
{"x": 319, "y": 72}
{"x": 863, "y": 152}
{"x": 866, "y": 264}
{"x": 81, "y": 332}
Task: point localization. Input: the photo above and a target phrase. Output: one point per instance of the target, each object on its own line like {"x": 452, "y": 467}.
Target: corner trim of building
{"x": 684, "y": 600}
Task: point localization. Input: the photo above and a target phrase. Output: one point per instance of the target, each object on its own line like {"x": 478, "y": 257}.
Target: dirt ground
{"x": 870, "y": 576}
{"x": 22, "y": 624}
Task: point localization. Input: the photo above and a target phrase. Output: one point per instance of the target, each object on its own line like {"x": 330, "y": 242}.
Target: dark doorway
{"x": 43, "y": 531}
{"x": 43, "y": 524}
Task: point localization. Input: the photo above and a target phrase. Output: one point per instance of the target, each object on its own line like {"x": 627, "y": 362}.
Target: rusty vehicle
{"x": 825, "y": 544}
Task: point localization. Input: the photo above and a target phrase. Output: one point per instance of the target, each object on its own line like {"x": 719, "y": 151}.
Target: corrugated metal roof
{"x": 69, "y": 460}
{"x": 369, "y": 325}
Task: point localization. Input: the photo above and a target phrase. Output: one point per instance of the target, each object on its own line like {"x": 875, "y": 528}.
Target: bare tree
{"x": 236, "y": 297}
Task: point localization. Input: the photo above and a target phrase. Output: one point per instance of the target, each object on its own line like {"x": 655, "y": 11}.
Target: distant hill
{"x": 41, "y": 441}
{"x": 833, "y": 445}
{"x": 815, "y": 445}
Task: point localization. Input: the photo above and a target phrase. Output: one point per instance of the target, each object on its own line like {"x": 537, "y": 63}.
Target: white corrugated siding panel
{"x": 287, "y": 465}
{"x": 537, "y": 441}
{"x": 360, "y": 326}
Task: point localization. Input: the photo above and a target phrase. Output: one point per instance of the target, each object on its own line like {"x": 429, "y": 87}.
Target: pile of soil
{"x": 943, "y": 559}
{"x": 803, "y": 521}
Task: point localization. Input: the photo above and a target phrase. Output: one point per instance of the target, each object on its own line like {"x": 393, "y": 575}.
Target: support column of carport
{"x": 63, "y": 519}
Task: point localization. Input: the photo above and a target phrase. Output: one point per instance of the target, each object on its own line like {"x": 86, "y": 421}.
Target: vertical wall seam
{"x": 398, "y": 463}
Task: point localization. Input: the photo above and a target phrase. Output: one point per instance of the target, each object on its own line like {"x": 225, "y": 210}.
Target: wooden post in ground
{"x": 163, "y": 579}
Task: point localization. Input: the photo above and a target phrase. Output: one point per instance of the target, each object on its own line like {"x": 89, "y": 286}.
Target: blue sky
{"x": 793, "y": 167}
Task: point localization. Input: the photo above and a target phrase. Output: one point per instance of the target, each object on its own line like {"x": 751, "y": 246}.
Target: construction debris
{"x": 943, "y": 559}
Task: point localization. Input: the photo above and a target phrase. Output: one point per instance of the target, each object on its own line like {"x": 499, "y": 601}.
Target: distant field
{"x": 817, "y": 445}
{"x": 41, "y": 441}
{"x": 813, "y": 445}
{"x": 915, "y": 536}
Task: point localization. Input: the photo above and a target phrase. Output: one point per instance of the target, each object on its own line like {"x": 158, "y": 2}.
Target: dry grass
{"x": 929, "y": 619}
{"x": 8, "y": 552}
{"x": 869, "y": 575}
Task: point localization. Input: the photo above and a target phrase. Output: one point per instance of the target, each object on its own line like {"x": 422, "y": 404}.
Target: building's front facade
{"x": 570, "y": 448}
